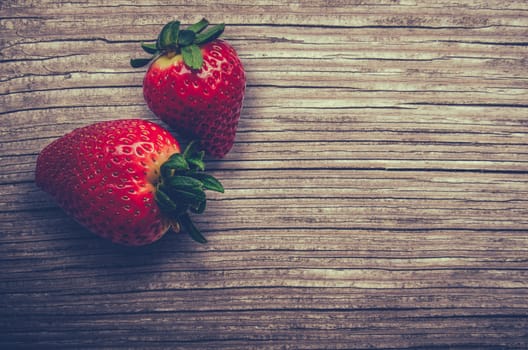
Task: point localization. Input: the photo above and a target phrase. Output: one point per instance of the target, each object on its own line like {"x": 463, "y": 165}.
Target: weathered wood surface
{"x": 376, "y": 195}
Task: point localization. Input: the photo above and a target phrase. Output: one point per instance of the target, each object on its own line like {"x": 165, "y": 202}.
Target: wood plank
{"x": 376, "y": 195}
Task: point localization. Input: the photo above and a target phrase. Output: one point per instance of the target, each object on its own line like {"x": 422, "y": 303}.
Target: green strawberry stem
{"x": 181, "y": 188}
{"x": 173, "y": 40}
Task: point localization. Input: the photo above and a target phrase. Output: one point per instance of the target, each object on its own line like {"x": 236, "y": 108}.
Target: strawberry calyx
{"x": 174, "y": 41}
{"x": 181, "y": 189}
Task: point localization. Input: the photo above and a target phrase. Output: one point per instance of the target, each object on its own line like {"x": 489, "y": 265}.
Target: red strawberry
{"x": 195, "y": 84}
{"x": 126, "y": 180}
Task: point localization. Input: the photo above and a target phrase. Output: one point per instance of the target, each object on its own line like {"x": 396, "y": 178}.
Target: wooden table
{"x": 376, "y": 194}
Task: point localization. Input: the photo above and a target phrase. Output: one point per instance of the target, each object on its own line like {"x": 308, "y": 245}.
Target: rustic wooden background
{"x": 376, "y": 195}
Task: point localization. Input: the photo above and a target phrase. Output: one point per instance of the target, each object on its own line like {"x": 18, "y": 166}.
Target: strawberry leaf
{"x": 186, "y": 37}
{"x": 199, "y": 26}
{"x": 149, "y": 48}
{"x": 188, "y": 226}
{"x": 189, "y": 196}
{"x": 196, "y": 161}
{"x": 184, "y": 182}
{"x": 210, "y": 34}
{"x": 163, "y": 36}
{"x": 168, "y": 36}
{"x": 179, "y": 160}
{"x": 175, "y": 32}
{"x": 209, "y": 182}
{"x": 139, "y": 62}
{"x": 193, "y": 157}
{"x": 176, "y": 162}
{"x": 192, "y": 56}
{"x": 191, "y": 148}
{"x": 167, "y": 205}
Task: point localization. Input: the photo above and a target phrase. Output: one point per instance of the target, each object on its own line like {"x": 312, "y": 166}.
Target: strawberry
{"x": 126, "y": 180}
{"x": 195, "y": 83}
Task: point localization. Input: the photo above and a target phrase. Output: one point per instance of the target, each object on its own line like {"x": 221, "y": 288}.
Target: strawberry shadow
{"x": 172, "y": 249}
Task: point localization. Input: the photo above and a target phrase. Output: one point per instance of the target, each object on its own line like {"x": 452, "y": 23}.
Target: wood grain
{"x": 376, "y": 194}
